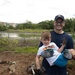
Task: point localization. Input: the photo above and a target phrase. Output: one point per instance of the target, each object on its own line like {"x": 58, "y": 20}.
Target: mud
{"x": 23, "y": 60}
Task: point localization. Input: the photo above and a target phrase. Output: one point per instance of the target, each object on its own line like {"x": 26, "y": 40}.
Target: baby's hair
{"x": 46, "y": 35}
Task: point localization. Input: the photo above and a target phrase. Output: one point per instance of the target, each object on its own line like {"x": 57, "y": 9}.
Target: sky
{"x": 21, "y": 11}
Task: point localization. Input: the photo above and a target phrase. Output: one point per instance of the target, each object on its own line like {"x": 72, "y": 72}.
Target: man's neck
{"x": 59, "y": 31}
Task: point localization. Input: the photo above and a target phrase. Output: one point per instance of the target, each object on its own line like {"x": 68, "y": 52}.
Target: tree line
{"x": 47, "y": 24}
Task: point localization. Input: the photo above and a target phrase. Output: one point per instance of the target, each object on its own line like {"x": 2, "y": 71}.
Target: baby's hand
{"x": 64, "y": 41}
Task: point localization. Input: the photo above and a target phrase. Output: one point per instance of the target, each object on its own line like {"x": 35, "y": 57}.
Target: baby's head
{"x": 46, "y": 37}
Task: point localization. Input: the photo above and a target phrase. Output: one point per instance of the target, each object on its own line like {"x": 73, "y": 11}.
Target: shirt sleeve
{"x": 70, "y": 43}
{"x": 39, "y": 51}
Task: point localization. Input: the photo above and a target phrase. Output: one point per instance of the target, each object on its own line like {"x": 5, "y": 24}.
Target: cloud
{"x": 34, "y": 10}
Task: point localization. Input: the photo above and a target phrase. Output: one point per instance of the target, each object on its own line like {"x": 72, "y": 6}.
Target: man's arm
{"x": 37, "y": 62}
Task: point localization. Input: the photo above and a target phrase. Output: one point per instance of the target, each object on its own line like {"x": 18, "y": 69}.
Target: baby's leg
{"x": 67, "y": 54}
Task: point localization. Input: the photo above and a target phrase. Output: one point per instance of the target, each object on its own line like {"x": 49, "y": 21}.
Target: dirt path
{"x": 22, "y": 61}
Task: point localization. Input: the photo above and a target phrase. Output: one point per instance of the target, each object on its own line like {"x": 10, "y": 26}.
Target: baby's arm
{"x": 61, "y": 48}
{"x": 63, "y": 45}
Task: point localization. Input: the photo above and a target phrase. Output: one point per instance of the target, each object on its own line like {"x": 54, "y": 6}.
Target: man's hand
{"x": 33, "y": 71}
{"x": 38, "y": 72}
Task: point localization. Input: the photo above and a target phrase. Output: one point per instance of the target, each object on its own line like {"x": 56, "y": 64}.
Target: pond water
{"x": 16, "y": 35}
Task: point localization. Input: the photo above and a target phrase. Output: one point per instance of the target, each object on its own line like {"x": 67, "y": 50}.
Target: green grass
{"x": 23, "y": 45}
{"x": 22, "y": 50}
{"x": 30, "y": 35}
{"x": 26, "y": 49}
{"x": 27, "y": 30}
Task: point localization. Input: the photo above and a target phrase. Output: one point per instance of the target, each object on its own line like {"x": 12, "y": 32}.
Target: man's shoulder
{"x": 67, "y": 35}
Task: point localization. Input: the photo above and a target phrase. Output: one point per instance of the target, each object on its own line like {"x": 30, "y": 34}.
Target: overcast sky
{"x": 18, "y": 11}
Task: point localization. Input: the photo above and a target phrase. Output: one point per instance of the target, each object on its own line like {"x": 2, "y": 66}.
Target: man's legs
{"x": 53, "y": 70}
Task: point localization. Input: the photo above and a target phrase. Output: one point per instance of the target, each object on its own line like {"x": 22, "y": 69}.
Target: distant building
{"x": 8, "y": 24}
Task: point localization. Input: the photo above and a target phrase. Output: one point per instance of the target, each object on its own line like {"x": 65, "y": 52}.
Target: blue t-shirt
{"x": 57, "y": 39}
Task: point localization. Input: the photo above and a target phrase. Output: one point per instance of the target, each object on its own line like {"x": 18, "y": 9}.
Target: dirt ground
{"x": 23, "y": 60}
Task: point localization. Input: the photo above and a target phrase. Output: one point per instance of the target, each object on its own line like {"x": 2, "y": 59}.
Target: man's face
{"x": 59, "y": 24}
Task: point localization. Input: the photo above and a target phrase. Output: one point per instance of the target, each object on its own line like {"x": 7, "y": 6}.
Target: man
{"x": 57, "y": 36}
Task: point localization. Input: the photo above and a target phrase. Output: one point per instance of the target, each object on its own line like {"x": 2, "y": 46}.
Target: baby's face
{"x": 46, "y": 41}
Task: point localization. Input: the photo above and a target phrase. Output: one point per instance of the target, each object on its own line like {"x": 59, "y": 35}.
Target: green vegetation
{"x": 19, "y": 45}
{"x": 44, "y": 25}
{"x": 30, "y": 35}
{"x": 73, "y": 36}
{"x": 26, "y": 30}
{"x": 29, "y": 42}
{"x": 26, "y": 49}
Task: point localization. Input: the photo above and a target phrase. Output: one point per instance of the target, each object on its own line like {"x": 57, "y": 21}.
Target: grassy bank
{"x": 27, "y": 30}
{"x": 21, "y": 45}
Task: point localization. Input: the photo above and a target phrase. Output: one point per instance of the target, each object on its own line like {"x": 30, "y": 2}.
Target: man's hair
{"x": 46, "y": 35}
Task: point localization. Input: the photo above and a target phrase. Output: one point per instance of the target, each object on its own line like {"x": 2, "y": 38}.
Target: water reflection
{"x": 16, "y": 35}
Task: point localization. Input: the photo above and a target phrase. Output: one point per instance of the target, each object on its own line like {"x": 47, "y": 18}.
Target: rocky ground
{"x": 23, "y": 60}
